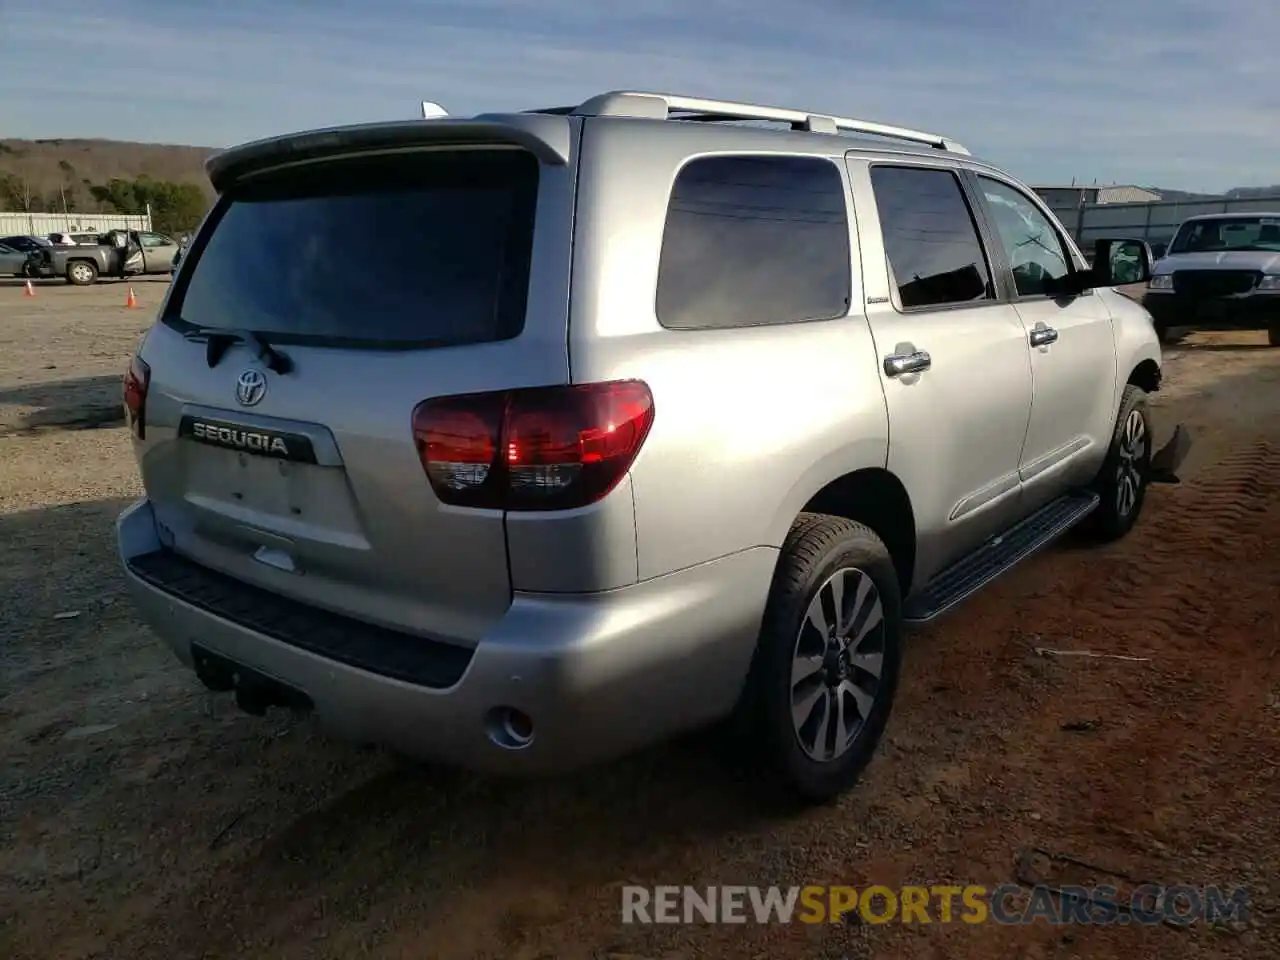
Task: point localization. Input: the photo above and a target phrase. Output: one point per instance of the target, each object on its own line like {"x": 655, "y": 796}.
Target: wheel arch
{"x": 1146, "y": 375}
{"x": 875, "y": 497}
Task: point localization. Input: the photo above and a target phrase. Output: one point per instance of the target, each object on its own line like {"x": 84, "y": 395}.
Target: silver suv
{"x": 637, "y": 417}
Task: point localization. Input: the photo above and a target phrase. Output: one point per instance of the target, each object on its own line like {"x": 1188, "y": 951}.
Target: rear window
{"x": 422, "y": 250}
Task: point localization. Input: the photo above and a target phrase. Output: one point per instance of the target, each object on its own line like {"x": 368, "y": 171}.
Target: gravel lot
{"x": 141, "y": 817}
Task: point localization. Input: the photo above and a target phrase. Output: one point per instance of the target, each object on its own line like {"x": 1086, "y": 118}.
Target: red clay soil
{"x": 1165, "y": 768}
{"x": 188, "y": 830}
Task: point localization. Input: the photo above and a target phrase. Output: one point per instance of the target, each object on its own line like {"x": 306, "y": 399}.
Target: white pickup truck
{"x": 1221, "y": 270}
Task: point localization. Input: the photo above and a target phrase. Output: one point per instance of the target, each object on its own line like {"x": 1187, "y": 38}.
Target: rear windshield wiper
{"x": 218, "y": 339}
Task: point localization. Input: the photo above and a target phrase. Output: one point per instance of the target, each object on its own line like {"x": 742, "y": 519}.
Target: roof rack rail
{"x": 662, "y": 106}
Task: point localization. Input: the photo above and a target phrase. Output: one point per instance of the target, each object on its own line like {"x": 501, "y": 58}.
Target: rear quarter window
{"x": 417, "y": 250}
{"x": 754, "y": 240}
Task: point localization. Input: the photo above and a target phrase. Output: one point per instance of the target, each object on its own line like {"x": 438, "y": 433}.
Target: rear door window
{"x": 427, "y": 249}
{"x": 930, "y": 238}
{"x": 754, "y": 240}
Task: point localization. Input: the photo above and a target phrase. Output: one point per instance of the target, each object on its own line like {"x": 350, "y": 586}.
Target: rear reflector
{"x": 548, "y": 448}
{"x": 136, "y": 381}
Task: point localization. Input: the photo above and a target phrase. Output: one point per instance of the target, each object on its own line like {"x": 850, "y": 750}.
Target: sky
{"x": 1183, "y": 94}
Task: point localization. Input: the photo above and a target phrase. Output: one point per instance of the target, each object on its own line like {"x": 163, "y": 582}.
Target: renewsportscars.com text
{"x": 972, "y": 904}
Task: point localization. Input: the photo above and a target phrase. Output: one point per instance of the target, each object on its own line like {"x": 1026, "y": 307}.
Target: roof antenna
{"x": 433, "y": 111}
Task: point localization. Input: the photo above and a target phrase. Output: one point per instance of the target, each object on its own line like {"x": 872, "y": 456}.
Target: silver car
{"x": 13, "y": 262}
{"x": 639, "y": 418}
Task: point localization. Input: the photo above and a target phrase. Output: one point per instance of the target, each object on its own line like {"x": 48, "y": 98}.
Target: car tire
{"x": 82, "y": 273}
{"x": 792, "y": 701}
{"x": 1122, "y": 482}
{"x": 1273, "y": 335}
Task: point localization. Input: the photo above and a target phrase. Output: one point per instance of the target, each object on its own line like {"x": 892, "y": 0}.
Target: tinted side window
{"x": 754, "y": 240}
{"x": 930, "y": 237}
{"x": 1033, "y": 246}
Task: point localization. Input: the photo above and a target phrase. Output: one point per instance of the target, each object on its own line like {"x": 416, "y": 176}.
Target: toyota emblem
{"x": 251, "y": 386}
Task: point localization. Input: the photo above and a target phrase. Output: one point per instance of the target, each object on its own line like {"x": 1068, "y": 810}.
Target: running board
{"x": 999, "y": 554}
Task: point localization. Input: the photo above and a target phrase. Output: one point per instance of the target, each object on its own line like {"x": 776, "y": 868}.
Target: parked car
{"x": 662, "y": 422}
{"x": 83, "y": 265}
{"x": 24, "y": 244}
{"x": 12, "y": 262}
{"x": 1221, "y": 269}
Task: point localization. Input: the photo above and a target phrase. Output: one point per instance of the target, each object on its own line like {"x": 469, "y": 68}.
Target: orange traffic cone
{"x": 30, "y": 291}
{"x": 132, "y": 301}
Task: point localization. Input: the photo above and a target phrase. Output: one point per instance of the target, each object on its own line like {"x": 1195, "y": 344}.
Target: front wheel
{"x": 1121, "y": 484}
{"x": 81, "y": 273}
{"x": 828, "y": 657}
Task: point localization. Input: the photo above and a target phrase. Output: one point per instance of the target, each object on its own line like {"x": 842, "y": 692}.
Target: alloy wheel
{"x": 837, "y": 664}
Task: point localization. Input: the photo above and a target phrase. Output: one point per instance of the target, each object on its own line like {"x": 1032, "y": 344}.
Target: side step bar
{"x": 999, "y": 554}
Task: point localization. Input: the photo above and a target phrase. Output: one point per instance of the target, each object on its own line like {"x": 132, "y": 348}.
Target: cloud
{"x": 1176, "y": 93}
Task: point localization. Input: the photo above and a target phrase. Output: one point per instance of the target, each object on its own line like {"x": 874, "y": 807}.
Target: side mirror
{"x": 1158, "y": 250}
{"x": 1117, "y": 262}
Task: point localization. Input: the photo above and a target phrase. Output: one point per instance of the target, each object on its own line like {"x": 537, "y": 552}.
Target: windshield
{"x": 1228, "y": 233}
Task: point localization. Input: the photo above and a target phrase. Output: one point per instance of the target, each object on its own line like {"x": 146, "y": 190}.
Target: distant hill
{"x": 37, "y": 175}
{"x": 1248, "y": 193}
{"x": 1183, "y": 194}
{"x": 41, "y": 172}
{"x": 1235, "y": 193}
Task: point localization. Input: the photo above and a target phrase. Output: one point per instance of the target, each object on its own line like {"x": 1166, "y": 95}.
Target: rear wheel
{"x": 81, "y": 273}
{"x": 828, "y": 658}
{"x": 1273, "y": 335}
{"x": 1122, "y": 482}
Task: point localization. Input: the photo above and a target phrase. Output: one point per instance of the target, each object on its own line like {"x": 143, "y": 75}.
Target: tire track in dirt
{"x": 1172, "y": 776}
{"x": 1216, "y": 517}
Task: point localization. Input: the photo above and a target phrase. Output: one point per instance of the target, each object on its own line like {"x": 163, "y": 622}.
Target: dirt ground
{"x": 143, "y": 818}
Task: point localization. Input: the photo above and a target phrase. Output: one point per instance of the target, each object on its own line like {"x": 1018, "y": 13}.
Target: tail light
{"x": 136, "y": 381}
{"x": 547, "y": 448}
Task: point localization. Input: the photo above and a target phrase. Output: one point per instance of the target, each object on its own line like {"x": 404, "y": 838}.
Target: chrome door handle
{"x": 1043, "y": 336}
{"x": 895, "y": 365}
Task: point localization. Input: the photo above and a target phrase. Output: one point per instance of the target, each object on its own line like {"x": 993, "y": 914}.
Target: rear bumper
{"x": 600, "y": 675}
{"x": 1174, "y": 310}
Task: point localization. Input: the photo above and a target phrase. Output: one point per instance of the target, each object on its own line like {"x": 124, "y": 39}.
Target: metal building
{"x": 43, "y": 224}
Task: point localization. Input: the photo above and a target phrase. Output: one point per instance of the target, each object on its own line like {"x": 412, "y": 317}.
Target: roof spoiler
{"x": 546, "y": 137}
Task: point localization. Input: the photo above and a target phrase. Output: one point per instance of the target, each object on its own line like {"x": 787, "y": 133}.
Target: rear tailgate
{"x": 383, "y": 278}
